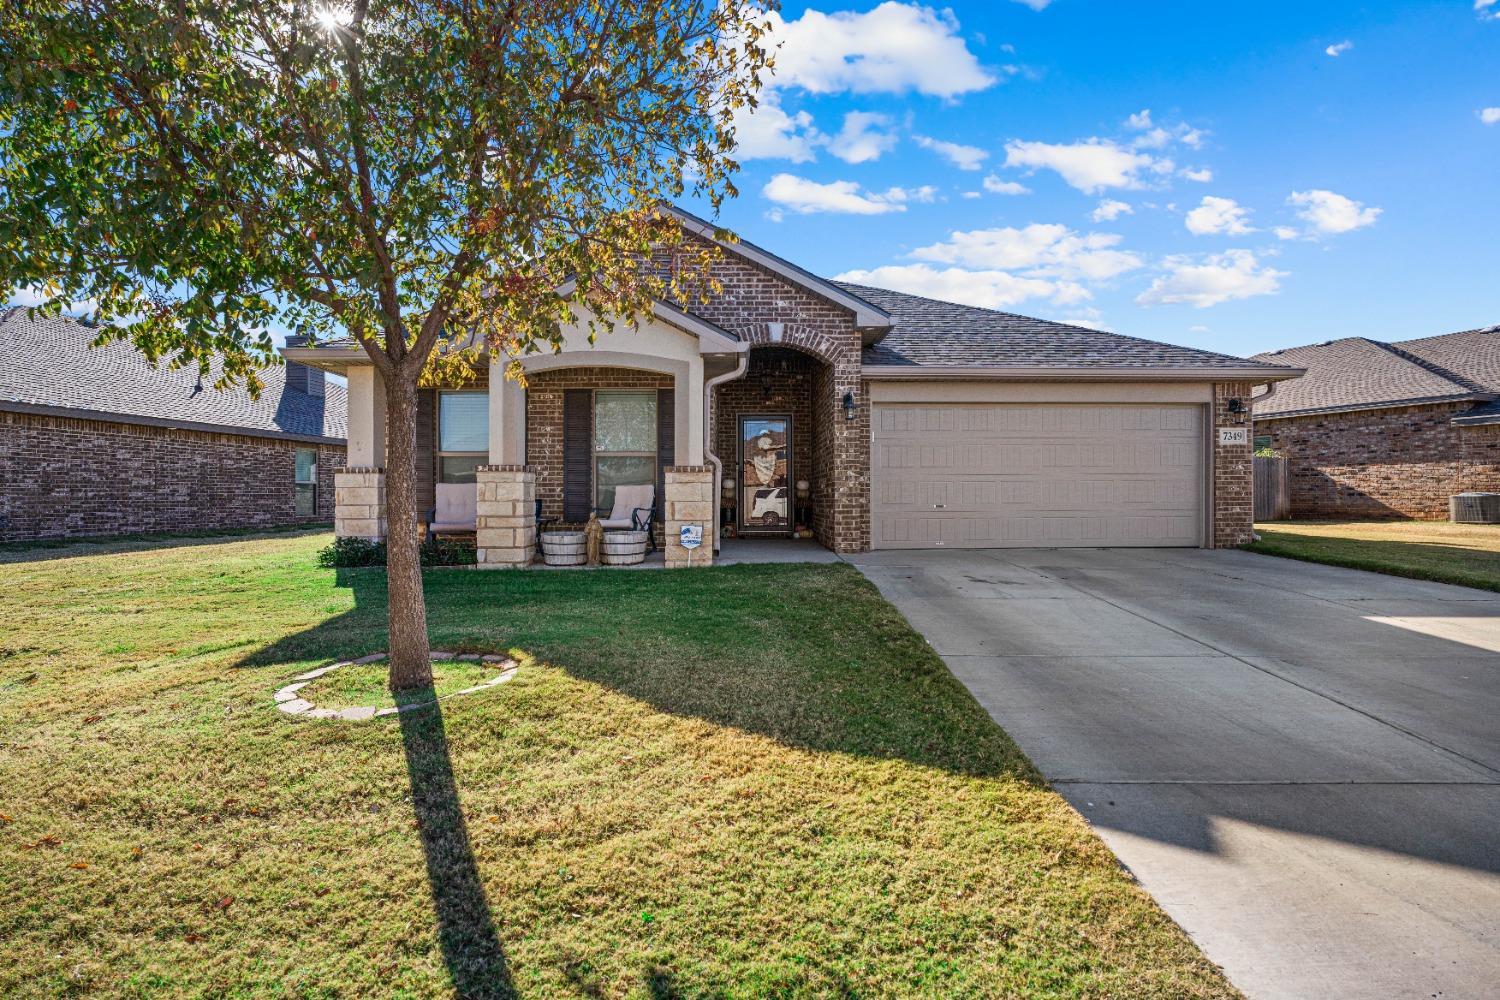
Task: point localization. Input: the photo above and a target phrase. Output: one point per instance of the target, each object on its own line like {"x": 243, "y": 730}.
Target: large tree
{"x": 408, "y": 173}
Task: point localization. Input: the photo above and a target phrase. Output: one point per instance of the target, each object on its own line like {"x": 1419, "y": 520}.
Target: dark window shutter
{"x": 666, "y": 444}
{"x": 578, "y": 454}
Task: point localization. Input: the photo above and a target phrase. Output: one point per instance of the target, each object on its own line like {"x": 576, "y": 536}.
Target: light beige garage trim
{"x": 1038, "y": 473}
{"x": 970, "y": 391}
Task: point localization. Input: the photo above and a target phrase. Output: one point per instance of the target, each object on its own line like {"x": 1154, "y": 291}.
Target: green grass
{"x": 751, "y": 781}
{"x": 1465, "y": 554}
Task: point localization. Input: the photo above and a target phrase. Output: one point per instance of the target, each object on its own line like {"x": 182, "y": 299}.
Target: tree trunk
{"x": 410, "y": 656}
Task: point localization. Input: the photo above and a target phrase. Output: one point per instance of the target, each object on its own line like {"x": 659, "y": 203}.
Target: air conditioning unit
{"x": 1474, "y": 508}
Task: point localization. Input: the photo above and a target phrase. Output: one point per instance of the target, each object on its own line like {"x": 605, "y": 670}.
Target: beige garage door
{"x": 1049, "y": 474}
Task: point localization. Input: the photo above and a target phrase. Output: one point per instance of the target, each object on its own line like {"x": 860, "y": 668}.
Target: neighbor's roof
{"x": 936, "y": 334}
{"x": 48, "y": 366}
{"x": 1357, "y": 373}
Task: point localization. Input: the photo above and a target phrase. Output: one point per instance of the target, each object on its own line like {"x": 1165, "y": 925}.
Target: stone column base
{"x": 359, "y": 503}
{"x": 505, "y": 516}
{"x": 689, "y": 500}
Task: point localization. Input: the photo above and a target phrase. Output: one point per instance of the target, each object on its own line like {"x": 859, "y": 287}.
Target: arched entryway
{"x": 772, "y": 431}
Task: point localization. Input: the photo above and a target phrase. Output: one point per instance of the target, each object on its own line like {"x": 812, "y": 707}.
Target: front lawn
{"x": 744, "y": 782}
{"x": 1465, "y": 554}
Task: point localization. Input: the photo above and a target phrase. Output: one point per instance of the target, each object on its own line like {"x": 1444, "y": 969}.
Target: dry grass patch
{"x": 743, "y": 782}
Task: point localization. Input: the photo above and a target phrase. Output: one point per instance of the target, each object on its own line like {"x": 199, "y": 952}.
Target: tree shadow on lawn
{"x": 466, "y": 926}
{"x": 810, "y": 656}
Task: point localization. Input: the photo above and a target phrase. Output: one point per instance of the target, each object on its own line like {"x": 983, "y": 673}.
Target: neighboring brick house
{"x": 791, "y": 404}
{"x": 96, "y": 441}
{"x": 1387, "y": 429}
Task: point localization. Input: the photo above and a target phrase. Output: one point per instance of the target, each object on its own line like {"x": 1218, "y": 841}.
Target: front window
{"x": 463, "y": 435}
{"x": 624, "y": 443}
{"x": 306, "y": 482}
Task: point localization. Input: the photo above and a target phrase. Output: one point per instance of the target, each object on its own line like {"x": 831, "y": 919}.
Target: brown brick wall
{"x": 63, "y": 478}
{"x": 1402, "y": 462}
{"x": 1233, "y": 469}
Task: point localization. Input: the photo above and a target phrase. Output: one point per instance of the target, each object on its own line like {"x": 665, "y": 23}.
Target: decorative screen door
{"x": 765, "y": 499}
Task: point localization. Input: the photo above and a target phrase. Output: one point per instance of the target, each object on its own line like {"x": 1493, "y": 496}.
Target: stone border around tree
{"x": 290, "y": 702}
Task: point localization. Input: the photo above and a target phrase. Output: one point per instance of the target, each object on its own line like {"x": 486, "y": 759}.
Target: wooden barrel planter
{"x": 564, "y": 548}
{"x": 624, "y": 548}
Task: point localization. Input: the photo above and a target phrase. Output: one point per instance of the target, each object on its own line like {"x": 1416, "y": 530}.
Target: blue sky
{"x": 1239, "y": 177}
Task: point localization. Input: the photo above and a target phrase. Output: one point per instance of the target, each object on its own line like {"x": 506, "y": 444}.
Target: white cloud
{"x": 865, "y": 136}
{"x": 1038, "y": 251}
{"x": 1489, "y": 115}
{"x": 1202, "y": 175}
{"x": 894, "y": 48}
{"x": 1200, "y": 328}
{"x": 768, "y": 132}
{"x": 1109, "y": 210}
{"x": 1482, "y": 8}
{"x": 994, "y": 185}
{"x": 30, "y": 296}
{"x": 961, "y": 156}
{"x": 1157, "y": 136}
{"x": 1339, "y": 48}
{"x": 1208, "y": 281}
{"x": 1286, "y": 233}
{"x": 1090, "y": 166}
{"x": 988, "y": 289}
{"x": 972, "y": 194}
{"x": 805, "y": 197}
{"x": 1333, "y": 213}
{"x": 1218, "y": 217}
{"x": 1035, "y": 4}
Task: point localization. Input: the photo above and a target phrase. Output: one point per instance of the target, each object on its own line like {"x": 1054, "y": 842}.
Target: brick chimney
{"x": 301, "y": 377}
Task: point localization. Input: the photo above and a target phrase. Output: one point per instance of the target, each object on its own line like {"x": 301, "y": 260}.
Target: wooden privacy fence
{"x": 1273, "y": 490}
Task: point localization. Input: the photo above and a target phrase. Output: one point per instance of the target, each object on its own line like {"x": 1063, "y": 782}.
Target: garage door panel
{"x": 1037, "y": 474}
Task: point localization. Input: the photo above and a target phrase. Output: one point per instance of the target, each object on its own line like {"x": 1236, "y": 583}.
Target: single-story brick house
{"x": 869, "y": 418}
{"x": 1386, "y": 429}
{"x": 96, "y": 441}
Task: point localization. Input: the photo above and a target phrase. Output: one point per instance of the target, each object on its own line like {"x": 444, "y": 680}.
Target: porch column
{"x": 359, "y": 487}
{"x": 507, "y": 417}
{"x": 505, "y": 516}
{"x": 689, "y": 501}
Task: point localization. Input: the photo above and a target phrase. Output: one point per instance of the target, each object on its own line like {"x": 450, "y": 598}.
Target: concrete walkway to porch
{"x": 741, "y": 551}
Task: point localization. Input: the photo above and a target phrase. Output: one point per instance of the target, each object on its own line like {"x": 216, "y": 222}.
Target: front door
{"x": 765, "y": 494}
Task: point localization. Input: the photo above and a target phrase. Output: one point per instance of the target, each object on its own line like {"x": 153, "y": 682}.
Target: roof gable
{"x": 867, "y": 315}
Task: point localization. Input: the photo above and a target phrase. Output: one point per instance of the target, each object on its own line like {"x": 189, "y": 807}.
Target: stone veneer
{"x": 505, "y": 516}
{"x": 68, "y": 477}
{"x": 359, "y": 499}
{"x": 689, "y": 500}
{"x": 1396, "y": 462}
{"x": 1233, "y": 485}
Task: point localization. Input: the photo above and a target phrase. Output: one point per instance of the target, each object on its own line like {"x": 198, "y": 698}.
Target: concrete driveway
{"x": 1301, "y": 763}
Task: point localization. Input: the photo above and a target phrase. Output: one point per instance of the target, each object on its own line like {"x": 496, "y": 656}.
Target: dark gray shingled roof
{"x": 1358, "y": 373}
{"x": 47, "y": 364}
{"x": 946, "y": 334}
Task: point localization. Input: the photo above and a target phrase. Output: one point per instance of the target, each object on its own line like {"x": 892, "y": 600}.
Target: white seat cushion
{"x": 457, "y": 507}
{"x": 629, "y": 499}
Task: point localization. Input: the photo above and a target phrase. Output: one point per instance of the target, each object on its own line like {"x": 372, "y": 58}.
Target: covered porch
{"x": 591, "y": 421}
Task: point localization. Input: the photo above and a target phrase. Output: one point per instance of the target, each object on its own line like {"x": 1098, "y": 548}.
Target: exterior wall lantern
{"x": 848, "y": 406}
{"x": 1236, "y": 406}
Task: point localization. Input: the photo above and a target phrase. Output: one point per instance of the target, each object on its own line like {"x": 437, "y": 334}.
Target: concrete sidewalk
{"x": 1301, "y": 763}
